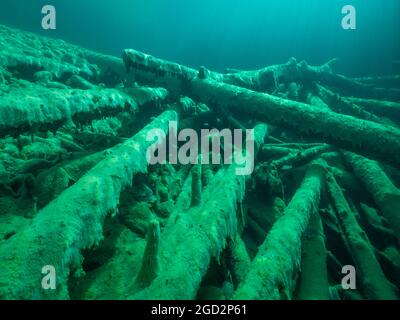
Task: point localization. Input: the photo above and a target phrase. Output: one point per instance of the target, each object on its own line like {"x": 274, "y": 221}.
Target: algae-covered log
{"x": 387, "y": 109}
{"x": 299, "y": 157}
{"x": 39, "y": 108}
{"x": 196, "y": 235}
{"x": 150, "y": 264}
{"x": 238, "y": 259}
{"x": 196, "y": 185}
{"x": 59, "y": 192}
{"x": 382, "y": 189}
{"x": 313, "y": 282}
{"x": 111, "y": 69}
{"x": 26, "y": 54}
{"x": 344, "y": 106}
{"x": 282, "y": 150}
{"x": 273, "y": 271}
{"x": 149, "y": 69}
{"x": 50, "y": 183}
{"x": 268, "y": 152}
{"x": 391, "y": 81}
{"x": 72, "y": 222}
{"x": 347, "y": 85}
{"x": 369, "y": 272}
{"x": 368, "y": 137}
{"x": 363, "y": 136}
{"x": 301, "y": 72}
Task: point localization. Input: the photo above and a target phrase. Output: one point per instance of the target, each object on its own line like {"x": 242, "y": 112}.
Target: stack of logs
{"x": 324, "y": 193}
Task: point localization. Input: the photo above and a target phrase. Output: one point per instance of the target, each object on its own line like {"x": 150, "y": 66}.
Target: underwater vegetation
{"x": 77, "y": 193}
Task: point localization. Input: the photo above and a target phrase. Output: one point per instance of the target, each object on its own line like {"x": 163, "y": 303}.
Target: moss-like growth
{"x": 274, "y": 270}
{"x": 72, "y": 222}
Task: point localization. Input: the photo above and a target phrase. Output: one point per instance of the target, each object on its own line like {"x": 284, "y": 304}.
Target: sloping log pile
{"x": 77, "y": 191}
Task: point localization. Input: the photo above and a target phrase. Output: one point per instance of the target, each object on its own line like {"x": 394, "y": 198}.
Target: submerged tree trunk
{"x": 382, "y": 189}
{"x": 73, "y": 221}
{"x": 369, "y": 272}
{"x": 362, "y": 136}
{"x": 273, "y": 271}
{"x": 313, "y": 282}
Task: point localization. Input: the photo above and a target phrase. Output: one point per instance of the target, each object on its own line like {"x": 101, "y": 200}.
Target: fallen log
{"x": 349, "y": 86}
{"x": 198, "y": 234}
{"x": 348, "y": 181}
{"x": 299, "y": 157}
{"x": 40, "y": 109}
{"x": 150, "y": 265}
{"x": 238, "y": 259}
{"x": 111, "y": 69}
{"x": 72, "y": 222}
{"x": 196, "y": 185}
{"x": 382, "y": 189}
{"x": 293, "y": 145}
{"x": 340, "y": 130}
{"x": 369, "y": 272}
{"x": 387, "y": 109}
{"x": 273, "y": 271}
{"x": 315, "y": 100}
{"x": 27, "y": 53}
{"x": 268, "y": 152}
{"x": 313, "y": 282}
{"x": 149, "y": 69}
{"x": 50, "y": 183}
{"x": 392, "y": 81}
{"x": 343, "y": 131}
{"x": 376, "y": 227}
{"x": 343, "y": 106}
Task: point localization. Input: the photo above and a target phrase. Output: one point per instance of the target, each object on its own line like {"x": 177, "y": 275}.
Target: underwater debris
{"x": 150, "y": 265}
{"x": 307, "y": 120}
{"x": 36, "y": 108}
{"x": 272, "y": 273}
{"x": 375, "y": 285}
{"x": 340, "y": 130}
{"x": 81, "y": 211}
{"x": 314, "y": 285}
{"x": 386, "y": 195}
{"x": 182, "y": 269}
{"x": 77, "y": 192}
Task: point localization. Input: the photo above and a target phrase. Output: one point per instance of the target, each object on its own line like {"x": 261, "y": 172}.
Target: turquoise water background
{"x": 241, "y": 34}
